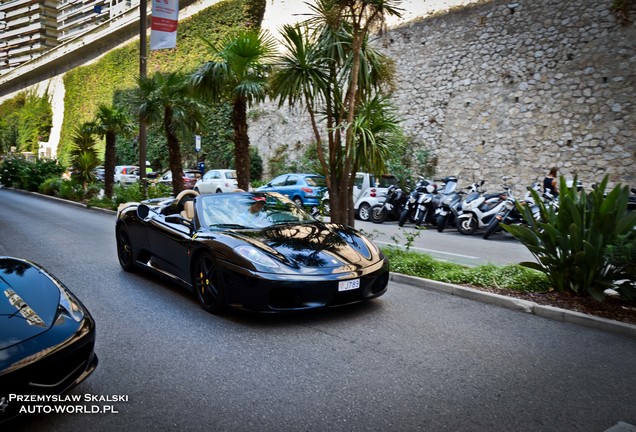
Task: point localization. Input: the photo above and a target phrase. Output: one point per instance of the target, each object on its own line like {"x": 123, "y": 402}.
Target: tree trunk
{"x": 241, "y": 143}
{"x": 109, "y": 164}
{"x": 174, "y": 155}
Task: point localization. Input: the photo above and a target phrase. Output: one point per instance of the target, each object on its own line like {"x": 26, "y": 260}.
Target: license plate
{"x": 348, "y": 285}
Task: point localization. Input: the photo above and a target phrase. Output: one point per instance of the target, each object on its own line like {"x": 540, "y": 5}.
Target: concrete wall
{"x": 502, "y": 88}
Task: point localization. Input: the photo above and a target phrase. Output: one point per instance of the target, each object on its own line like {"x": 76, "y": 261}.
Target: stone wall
{"x": 502, "y": 88}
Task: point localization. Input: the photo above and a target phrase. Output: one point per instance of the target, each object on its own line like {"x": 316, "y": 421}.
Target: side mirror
{"x": 143, "y": 211}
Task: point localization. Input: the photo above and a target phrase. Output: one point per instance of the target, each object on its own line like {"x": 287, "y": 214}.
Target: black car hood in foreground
{"x": 312, "y": 246}
{"x": 28, "y": 302}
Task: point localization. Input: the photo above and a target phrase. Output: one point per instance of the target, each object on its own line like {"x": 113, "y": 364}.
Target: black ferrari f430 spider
{"x": 255, "y": 251}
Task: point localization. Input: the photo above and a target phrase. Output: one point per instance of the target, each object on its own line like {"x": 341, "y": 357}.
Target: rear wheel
{"x": 298, "y": 201}
{"x": 219, "y": 191}
{"x": 378, "y": 214}
{"x": 364, "y": 212}
{"x": 124, "y": 249}
{"x": 208, "y": 286}
{"x": 467, "y": 225}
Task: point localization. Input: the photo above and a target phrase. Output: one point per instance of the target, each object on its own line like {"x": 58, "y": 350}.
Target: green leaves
{"x": 571, "y": 245}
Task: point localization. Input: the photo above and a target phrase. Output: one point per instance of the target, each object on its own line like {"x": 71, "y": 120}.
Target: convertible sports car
{"x": 255, "y": 251}
{"x": 46, "y": 335}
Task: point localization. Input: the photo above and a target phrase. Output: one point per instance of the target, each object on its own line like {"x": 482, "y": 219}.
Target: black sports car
{"x": 46, "y": 335}
{"x": 256, "y": 251}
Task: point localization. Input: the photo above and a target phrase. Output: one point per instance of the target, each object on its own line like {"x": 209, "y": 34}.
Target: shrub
{"x": 71, "y": 190}
{"x": 51, "y": 186}
{"x": 622, "y": 254}
{"x": 16, "y": 171}
{"x": 571, "y": 245}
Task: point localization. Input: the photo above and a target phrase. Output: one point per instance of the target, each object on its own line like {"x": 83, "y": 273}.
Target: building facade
{"x": 30, "y": 28}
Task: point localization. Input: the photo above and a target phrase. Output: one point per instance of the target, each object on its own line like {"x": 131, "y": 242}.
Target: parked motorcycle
{"x": 418, "y": 203}
{"x": 392, "y": 206}
{"x": 477, "y": 210}
{"x": 448, "y": 203}
{"x": 509, "y": 214}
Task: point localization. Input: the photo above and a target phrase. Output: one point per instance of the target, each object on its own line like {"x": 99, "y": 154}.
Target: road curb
{"x": 550, "y": 312}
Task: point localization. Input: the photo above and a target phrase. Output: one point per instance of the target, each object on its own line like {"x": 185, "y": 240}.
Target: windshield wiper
{"x": 226, "y": 225}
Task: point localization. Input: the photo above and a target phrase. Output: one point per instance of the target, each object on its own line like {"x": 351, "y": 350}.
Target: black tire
{"x": 207, "y": 284}
{"x": 403, "y": 217}
{"x": 467, "y": 226}
{"x": 298, "y": 201}
{"x": 364, "y": 212}
{"x": 492, "y": 227}
{"x": 124, "y": 249}
{"x": 421, "y": 216}
{"x": 219, "y": 191}
{"x": 378, "y": 214}
{"x": 442, "y": 221}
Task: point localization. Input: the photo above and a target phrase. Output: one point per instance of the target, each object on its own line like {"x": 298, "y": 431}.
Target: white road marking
{"x": 428, "y": 250}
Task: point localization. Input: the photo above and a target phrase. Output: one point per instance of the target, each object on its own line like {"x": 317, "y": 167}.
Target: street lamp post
{"x": 142, "y": 75}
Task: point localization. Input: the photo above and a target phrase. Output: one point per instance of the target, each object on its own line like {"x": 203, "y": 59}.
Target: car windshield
{"x": 316, "y": 181}
{"x": 249, "y": 211}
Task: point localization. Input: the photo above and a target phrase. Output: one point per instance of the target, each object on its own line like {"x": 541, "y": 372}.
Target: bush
{"x": 622, "y": 254}
{"x": 71, "y": 190}
{"x": 571, "y": 245}
{"x": 16, "y": 171}
{"x": 51, "y": 186}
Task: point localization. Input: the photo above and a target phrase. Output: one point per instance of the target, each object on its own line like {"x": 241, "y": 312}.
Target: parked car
{"x": 190, "y": 178}
{"x": 47, "y": 336}
{"x": 304, "y": 189}
{"x": 217, "y": 181}
{"x": 99, "y": 173}
{"x": 126, "y": 174}
{"x": 223, "y": 246}
{"x": 367, "y": 192}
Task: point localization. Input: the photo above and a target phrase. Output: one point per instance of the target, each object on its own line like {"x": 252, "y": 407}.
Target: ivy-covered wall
{"x": 25, "y": 120}
{"x": 112, "y": 79}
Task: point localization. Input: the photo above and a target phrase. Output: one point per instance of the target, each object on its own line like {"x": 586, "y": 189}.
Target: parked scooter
{"x": 478, "y": 210}
{"x": 509, "y": 214}
{"x": 392, "y": 206}
{"x": 448, "y": 203}
{"x": 415, "y": 205}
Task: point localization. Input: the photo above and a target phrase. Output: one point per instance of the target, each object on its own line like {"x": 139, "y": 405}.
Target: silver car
{"x": 217, "y": 181}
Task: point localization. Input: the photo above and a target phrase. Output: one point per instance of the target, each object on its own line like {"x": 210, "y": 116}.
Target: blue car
{"x": 306, "y": 190}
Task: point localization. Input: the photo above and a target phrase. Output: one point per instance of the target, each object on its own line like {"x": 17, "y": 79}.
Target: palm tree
{"x": 331, "y": 69}
{"x": 84, "y": 157}
{"x": 110, "y": 122}
{"x": 167, "y": 101}
{"x": 238, "y": 71}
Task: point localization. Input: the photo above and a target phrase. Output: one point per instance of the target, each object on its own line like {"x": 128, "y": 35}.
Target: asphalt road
{"x": 412, "y": 360}
{"x": 449, "y": 245}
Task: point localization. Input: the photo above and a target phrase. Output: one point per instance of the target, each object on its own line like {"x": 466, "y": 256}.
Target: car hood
{"x": 313, "y": 246}
{"x": 29, "y": 301}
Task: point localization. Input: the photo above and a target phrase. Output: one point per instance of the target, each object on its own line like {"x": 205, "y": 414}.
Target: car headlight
{"x": 71, "y": 306}
{"x": 254, "y": 255}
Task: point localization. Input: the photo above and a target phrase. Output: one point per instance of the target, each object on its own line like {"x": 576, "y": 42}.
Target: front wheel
{"x": 378, "y": 214}
{"x": 492, "y": 227}
{"x": 442, "y": 221}
{"x": 208, "y": 286}
{"x": 467, "y": 225}
{"x": 403, "y": 217}
{"x": 364, "y": 212}
{"x": 124, "y": 249}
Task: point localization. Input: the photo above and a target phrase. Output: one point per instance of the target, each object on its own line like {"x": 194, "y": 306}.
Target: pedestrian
{"x": 550, "y": 183}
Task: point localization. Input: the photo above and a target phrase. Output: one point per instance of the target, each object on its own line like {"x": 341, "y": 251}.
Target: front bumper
{"x": 269, "y": 292}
